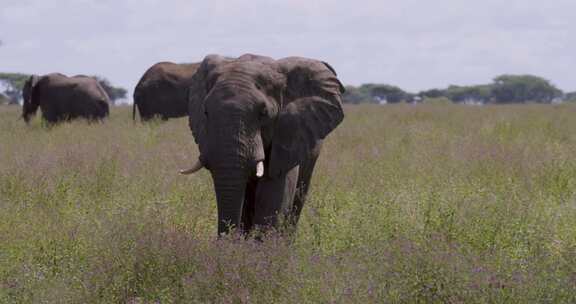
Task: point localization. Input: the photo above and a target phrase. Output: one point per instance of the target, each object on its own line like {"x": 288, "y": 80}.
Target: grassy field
{"x": 409, "y": 204}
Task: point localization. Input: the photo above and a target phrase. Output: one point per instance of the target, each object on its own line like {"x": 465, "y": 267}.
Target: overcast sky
{"x": 415, "y": 44}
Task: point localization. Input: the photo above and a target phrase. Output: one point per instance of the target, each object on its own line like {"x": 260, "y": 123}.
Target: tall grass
{"x": 409, "y": 204}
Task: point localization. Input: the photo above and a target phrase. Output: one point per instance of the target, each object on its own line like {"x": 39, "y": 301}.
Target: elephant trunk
{"x": 230, "y": 188}
{"x": 29, "y": 109}
{"x": 30, "y": 104}
{"x": 231, "y": 165}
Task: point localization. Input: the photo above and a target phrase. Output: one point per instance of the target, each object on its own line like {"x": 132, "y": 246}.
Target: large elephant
{"x": 259, "y": 125}
{"x": 62, "y": 98}
{"x": 161, "y": 92}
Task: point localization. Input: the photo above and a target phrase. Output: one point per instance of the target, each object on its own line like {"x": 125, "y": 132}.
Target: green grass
{"x": 409, "y": 204}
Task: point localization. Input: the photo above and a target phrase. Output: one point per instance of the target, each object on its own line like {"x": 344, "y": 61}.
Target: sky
{"x": 414, "y": 44}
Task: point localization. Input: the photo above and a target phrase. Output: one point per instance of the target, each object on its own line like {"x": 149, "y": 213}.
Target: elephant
{"x": 259, "y": 124}
{"x": 63, "y": 98}
{"x": 162, "y": 91}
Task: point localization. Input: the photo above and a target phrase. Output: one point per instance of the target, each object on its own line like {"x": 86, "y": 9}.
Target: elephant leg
{"x": 144, "y": 111}
{"x": 302, "y": 190}
{"x": 274, "y": 198}
{"x": 49, "y": 114}
{"x": 248, "y": 208}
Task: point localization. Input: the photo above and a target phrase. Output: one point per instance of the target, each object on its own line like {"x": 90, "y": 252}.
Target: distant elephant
{"x": 63, "y": 98}
{"x": 259, "y": 125}
{"x": 161, "y": 92}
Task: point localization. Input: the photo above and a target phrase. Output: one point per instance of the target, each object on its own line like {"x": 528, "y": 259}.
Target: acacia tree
{"x": 13, "y": 84}
{"x": 504, "y": 89}
{"x": 389, "y": 93}
{"x": 375, "y": 93}
{"x": 113, "y": 92}
{"x": 570, "y": 97}
{"x": 523, "y": 89}
{"x": 432, "y": 93}
{"x": 353, "y": 95}
{"x": 467, "y": 94}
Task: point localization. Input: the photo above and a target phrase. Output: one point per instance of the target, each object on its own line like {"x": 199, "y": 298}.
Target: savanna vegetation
{"x": 409, "y": 204}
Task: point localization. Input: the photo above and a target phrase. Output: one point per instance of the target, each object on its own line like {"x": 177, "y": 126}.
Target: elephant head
{"x": 30, "y": 105}
{"x": 254, "y": 117}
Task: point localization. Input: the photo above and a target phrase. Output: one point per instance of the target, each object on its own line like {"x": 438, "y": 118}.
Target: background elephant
{"x": 162, "y": 91}
{"x": 64, "y": 98}
{"x": 259, "y": 125}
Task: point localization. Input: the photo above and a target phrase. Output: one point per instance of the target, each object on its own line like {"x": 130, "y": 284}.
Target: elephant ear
{"x": 200, "y": 85}
{"x": 312, "y": 109}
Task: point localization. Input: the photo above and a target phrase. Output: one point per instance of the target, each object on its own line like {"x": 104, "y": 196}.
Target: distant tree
{"x": 482, "y": 92}
{"x": 12, "y": 84}
{"x": 375, "y": 93}
{"x": 353, "y": 95}
{"x": 504, "y": 89}
{"x": 388, "y": 93}
{"x": 570, "y": 97}
{"x": 113, "y": 92}
{"x": 4, "y": 99}
{"x": 523, "y": 89}
{"x": 365, "y": 91}
{"x": 361, "y": 94}
{"x": 412, "y": 98}
{"x": 469, "y": 94}
{"x": 432, "y": 93}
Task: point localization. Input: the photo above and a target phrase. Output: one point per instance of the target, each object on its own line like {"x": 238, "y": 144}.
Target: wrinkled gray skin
{"x": 162, "y": 91}
{"x": 63, "y": 98}
{"x": 251, "y": 109}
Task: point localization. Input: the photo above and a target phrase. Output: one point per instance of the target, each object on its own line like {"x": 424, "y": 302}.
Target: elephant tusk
{"x": 260, "y": 169}
{"x": 194, "y": 168}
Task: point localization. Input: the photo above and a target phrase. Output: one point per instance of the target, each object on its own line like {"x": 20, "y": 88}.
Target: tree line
{"x": 503, "y": 89}
{"x": 11, "y": 85}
